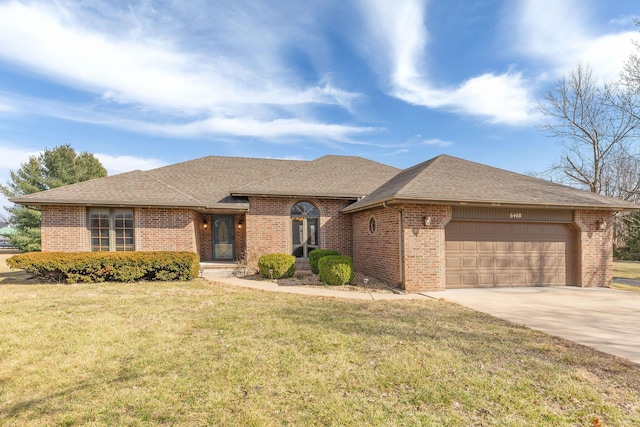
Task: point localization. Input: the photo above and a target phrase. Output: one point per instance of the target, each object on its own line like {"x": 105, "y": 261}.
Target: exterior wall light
{"x": 426, "y": 220}
{"x": 601, "y": 224}
{"x": 240, "y": 223}
{"x": 206, "y": 224}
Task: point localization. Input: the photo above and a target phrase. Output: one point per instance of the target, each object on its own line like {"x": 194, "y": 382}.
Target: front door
{"x": 223, "y": 238}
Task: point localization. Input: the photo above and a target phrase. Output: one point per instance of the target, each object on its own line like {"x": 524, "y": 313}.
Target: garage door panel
{"x": 502, "y": 262}
{"x": 485, "y": 262}
{"x": 486, "y": 280}
{"x": 454, "y": 280}
{"x": 485, "y": 254}
{"x": 502, "y": 246}
{"x": 548, "y": 262}
{"x": 468, "y": 262}
{"x": 517, "y": 262}
{"x": 533, "y": 262}
{"x": 517, "y": 247}
{"x": 453, "y": 262}
{"x": 469, "y": 246}
{"x": 485, "y": 246}
{"x": 470, "y": 279}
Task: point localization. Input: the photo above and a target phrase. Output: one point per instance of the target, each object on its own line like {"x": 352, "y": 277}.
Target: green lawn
{"x": 199, "y": 353}
{"x": 626, "y": 270}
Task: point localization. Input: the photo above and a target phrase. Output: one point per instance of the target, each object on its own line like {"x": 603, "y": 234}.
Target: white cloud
{"x": 437, "y": 141}
{"x": 150, "y": 72}
{"x": 269, "y": 129}
{"x": 562, "y": 34}
{"x": 216, "y": 86}
{"x": 119, "y": 164}
{"x": 12, "y": 157}
{"x": 401, "y": 36}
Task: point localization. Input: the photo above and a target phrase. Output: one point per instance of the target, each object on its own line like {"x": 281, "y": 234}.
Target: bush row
{"x": 89, "y": 267}
{"x": 332, "y": 268}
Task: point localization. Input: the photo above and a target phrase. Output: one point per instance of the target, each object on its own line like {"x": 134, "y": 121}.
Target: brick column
{"x": 595, "y": 246}
{"x": 424, "y": 246}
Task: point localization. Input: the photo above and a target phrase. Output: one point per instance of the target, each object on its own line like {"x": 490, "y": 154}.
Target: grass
{"x": 199, "y": 353}
{"x": 626, "y": 270}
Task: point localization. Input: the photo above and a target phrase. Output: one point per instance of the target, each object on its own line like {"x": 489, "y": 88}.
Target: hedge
{"x": 336, "y": 269}
{"x": 281, "y": 266}
{"x": 316, "y": 254}
{"x": 90, "y": 267}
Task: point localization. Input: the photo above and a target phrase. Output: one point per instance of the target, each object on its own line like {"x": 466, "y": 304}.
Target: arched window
{"x": 304, "y": 228}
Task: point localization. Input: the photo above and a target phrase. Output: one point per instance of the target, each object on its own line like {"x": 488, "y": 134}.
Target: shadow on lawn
{"x": 35, "y": 403}
{"x": 18, "y": 277}
{"x": 472, "y": 334}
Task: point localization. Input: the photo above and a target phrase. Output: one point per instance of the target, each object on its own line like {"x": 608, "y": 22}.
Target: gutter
{"x": 490, "y": 204}
{"x": 400, "y": 241}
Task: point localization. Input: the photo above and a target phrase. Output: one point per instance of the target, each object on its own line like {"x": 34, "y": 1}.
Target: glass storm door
{"x": 304, "y": 228}
{"x": 223, "y": 238}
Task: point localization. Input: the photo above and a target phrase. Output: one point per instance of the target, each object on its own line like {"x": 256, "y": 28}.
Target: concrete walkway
{"x": 605, "y": 319}
{"x": 266, "y": 285}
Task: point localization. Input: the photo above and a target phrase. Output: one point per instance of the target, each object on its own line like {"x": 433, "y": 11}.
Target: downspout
{"x": 400, "y": 242}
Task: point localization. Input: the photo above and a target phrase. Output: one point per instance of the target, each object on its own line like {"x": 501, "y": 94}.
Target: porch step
{"x": 207, "y": 265}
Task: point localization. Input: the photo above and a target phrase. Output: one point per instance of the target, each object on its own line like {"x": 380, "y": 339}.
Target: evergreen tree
{"x": 53, "y": 168}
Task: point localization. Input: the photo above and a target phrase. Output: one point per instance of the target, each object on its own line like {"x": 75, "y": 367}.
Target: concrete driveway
{"x": 605, "y": 319}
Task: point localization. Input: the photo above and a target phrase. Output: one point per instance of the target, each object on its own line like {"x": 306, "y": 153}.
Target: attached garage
{"x": 494, "y": 247}
{"x": 492, "y": 254}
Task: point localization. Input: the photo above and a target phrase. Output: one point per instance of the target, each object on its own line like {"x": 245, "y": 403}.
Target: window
{"x": 304, "y": 229}
{"x": 111, "y": 229}
{"x": 372, "y": 225}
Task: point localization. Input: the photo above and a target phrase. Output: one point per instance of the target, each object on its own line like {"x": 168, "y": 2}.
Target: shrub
{"x": 73, "y": 267}
{"x": 336, "y": 269}
{"x": 316, "y": 254}
{"x": 282, "y": 266}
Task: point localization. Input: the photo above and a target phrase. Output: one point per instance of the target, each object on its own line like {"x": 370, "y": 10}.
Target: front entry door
{"x": 223, "y": 238}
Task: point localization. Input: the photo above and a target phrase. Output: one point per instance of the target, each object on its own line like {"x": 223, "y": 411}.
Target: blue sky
{"x": 144, "y": 83}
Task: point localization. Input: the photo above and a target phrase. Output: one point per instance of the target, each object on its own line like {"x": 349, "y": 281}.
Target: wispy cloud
{"x": 140, "y": 72}
{"x": 119, "y": 164}
{"x": 561, "y": 34}
{"x": 438, "y": 142}
{"x": 396, "y": 43}
{"x": 402, "y": 39}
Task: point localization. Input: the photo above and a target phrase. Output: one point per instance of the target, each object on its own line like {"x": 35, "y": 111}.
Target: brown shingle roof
{"x": 223, "y": 182}
{"x": 329, "y": 176}
{"x": 448, "y": 180}
{"x": 200, "y": 183}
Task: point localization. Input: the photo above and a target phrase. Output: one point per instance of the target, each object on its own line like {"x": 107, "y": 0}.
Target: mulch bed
{"x": 306, "y": 278}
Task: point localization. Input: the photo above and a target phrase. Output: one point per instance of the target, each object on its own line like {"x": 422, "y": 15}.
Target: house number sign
{"x": 515, "y": 215}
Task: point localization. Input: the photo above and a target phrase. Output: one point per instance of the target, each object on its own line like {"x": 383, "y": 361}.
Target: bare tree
{"x": 596, "y": 127}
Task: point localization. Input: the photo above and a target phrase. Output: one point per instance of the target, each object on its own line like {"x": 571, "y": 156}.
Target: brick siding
{"x": 595, "y": 248}
{"x": 377, "y": 254}
{"x": 424, "y": 246}
{"x": 165, "y": 229}
{"x": 64, "y": 229}
{"x": 268, "y": 226}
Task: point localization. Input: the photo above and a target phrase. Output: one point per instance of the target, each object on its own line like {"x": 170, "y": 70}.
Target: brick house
{"x": 444, "y": 223}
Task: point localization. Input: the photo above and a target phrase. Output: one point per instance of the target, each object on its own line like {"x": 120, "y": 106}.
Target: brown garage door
{"x": 487, "y": 254}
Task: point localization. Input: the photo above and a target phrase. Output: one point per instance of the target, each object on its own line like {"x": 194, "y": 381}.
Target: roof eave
{"x": 494, "y": 204}
{"x": 105, "y": 203}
